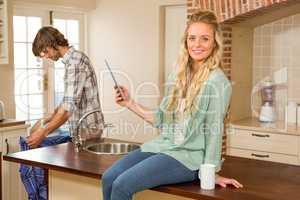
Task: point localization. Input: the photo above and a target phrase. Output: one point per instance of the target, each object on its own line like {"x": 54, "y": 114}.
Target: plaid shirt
{"x": 80, "y": 90}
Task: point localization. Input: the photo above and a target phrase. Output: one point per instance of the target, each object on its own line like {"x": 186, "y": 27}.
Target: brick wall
{"x": 233, "y": 11}
{"x": 230, "y": 12}
{"x": 228, "y": 9}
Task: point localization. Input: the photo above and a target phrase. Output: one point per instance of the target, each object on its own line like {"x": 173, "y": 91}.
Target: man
{"x": 80, "y": 84}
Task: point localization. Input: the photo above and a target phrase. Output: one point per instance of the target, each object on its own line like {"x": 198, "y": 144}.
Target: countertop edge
{"x": 252, "y": 128}
{"x": 52, "y": 167}
{"x": 11, "y": 122}
{"x": 248, "y": 124}
{"x": 182, "y": 193}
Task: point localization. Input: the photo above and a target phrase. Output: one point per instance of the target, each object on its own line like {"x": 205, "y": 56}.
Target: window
{"x": 70, "y": 28}
{"x": 39, "y": 83}
{"x": 28, "y": 69}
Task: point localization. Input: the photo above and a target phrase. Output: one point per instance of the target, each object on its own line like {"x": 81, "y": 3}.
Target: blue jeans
{"x": 33, "y": 177}
{"x": 138, "y": 171}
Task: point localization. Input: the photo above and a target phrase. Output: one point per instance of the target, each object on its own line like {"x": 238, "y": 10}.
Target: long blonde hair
{"x": 185, "y": 62}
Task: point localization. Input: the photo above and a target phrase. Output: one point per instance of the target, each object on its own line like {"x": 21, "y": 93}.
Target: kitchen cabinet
{"x": 12, "y": 187}
{"x": 257, "y": 141}
{"x": 3, "y": 32}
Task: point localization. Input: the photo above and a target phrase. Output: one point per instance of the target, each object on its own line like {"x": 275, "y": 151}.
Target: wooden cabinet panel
{"x": 260, "y": 155}
{"x": 261, "y": 141}
{"x": 253, "y": 144}
{"x": 12, "y": 187}
{"x": 64, "y": 186}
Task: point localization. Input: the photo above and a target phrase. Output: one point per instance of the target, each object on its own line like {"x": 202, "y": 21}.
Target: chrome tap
{"x": 76, "y": 138}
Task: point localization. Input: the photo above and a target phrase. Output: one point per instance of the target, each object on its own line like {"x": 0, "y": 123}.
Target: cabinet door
{"x": 12, "y": 187}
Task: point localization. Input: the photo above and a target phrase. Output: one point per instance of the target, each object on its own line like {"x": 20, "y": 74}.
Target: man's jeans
{"x": 33, "y": 177}
{"x": 138, "y": 171}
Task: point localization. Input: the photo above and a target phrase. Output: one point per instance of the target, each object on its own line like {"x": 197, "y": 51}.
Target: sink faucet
{"x": 76, "y": 138}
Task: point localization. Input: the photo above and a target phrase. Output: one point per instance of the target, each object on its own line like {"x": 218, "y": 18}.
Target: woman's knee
{"x": 120, "y": 187}
{"x": 108, "y": 177}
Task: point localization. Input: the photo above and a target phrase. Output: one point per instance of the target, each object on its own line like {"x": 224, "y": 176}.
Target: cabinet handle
{"x": 259, "y": 135}
{"x": 260, "y": 156}
{"x": 7, "y": 146}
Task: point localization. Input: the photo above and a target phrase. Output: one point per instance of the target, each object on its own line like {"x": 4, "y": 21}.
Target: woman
{"x": 190, "y": 118}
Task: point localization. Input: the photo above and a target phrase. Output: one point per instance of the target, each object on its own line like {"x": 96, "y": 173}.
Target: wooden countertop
{"x": 277, "y": 127}
{"x": 10, "y": 122}
{"x": 262, "y": 180}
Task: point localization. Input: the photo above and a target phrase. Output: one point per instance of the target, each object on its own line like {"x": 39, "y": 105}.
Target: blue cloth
{"x": 138, "y": 171}
{"x": 33, "y": 177}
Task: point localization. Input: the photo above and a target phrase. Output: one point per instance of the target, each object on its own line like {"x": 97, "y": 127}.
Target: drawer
{"x": 259, "y": 155}
{"x": 261, "y": 141}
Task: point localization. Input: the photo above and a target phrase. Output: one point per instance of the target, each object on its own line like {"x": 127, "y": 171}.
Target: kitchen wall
{"x": 259, "y": 48}
{"x": 128, "y": 34}
{"x": 276, "y": 52}
{"x": 236, "y": 10}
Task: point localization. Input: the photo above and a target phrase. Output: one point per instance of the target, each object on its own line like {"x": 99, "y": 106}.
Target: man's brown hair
{"x": 48, "y": 37}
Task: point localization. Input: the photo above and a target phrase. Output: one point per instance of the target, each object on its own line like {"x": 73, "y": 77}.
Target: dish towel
{"x": 33, "y": 177}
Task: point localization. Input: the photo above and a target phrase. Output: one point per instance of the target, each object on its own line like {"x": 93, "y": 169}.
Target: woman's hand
{"x": 222, "y": 181}
{"x": 122, "y": 96}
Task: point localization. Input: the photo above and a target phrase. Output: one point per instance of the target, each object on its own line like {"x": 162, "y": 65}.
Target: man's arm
{"x": 39, "y": 123}
{"x": 58, "y": 119}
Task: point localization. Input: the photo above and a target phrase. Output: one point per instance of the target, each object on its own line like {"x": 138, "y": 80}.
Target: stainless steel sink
{"x": 111, "y": 148}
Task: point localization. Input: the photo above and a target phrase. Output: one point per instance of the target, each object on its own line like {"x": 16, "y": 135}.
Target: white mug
{"x": 207, "y": 176}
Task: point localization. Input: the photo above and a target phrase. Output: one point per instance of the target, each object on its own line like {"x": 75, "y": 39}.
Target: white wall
{"x": 127, "y": 33}
{"x": 175, "y": 23}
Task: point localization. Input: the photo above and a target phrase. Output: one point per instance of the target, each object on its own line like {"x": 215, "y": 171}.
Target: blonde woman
{"x": 190, "y": 118}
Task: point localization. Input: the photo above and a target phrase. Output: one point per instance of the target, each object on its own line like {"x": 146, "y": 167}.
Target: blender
{"x": 267, "y": 111}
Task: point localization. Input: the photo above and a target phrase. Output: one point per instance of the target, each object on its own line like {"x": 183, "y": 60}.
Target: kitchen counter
{"x": 262, "y": 180}
{"x": 277, "y": 127}
{"x": 10, "y": 122}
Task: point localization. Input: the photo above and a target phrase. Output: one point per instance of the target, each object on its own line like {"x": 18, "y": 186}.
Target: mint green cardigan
{"x": 203, "y": 128}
